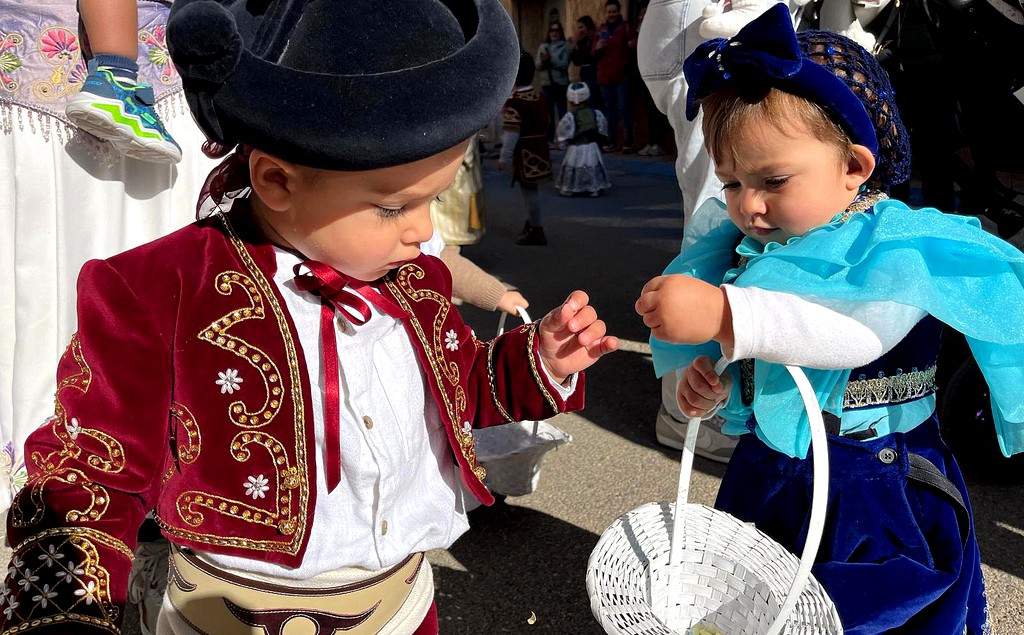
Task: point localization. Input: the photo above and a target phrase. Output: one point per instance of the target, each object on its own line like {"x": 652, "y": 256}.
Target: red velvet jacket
{"x": 141, "y": 424}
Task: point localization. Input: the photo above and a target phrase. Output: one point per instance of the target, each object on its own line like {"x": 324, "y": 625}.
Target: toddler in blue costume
{"x": 808, "y": 263}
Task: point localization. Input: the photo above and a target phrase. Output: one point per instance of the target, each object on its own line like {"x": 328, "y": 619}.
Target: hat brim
{"x": 364, "y": 122}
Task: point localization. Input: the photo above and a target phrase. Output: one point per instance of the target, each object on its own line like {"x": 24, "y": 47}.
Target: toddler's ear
{"x": 859, "y": 166}
{"x": 273, "y": 180}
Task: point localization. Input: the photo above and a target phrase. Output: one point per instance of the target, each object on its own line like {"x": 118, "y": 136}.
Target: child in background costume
{"x": 582, "y": 170}
{"x": 290, "y": 482}
{"x": 458, "y": 218}
{"x": 524, "y": 144}
{"x": 472, "y": 284}
{"x": 831, "y": 276}
{"x": 112, "y": 104}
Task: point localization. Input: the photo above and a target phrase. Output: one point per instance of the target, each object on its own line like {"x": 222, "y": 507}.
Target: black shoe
{"x": 535, "y": 237}
{"x": 524, "y": 231}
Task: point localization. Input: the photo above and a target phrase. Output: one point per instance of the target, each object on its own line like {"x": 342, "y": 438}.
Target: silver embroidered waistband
{"x": 889, "y": 389}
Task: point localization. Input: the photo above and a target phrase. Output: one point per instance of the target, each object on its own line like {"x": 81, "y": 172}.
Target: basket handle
{"x": 522, "y": 313}
{"x": 819, "y": 492}
{"x": 501, "y": 329}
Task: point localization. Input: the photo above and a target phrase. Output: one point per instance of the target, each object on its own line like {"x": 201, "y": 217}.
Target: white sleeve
{"x": 509, "y": 139}
{"x": 566, "y": 127}
{"x": 669, "y": 35}
{"x": 671, "y": 31}
{"x": 786, "y": 329}
{"x": 602, "y": 123}
{"x": 563, "y": 391}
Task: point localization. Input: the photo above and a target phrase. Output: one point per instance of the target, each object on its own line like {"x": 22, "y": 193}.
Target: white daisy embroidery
{"x": 256, "y": 486}
{"x": 27, "y": 581}
{"x": 45, "y": 596}
{"x": 69, "y": 574}
{"x": 16, "y": 564}
{"x": 451, "y": 340}
{"x": 51, "y": 556}
{"x": 467, "y": 427}
{"x": 73, "y": 427}
{"x": 89, "y": 592}
{"x": 229, "y": 381}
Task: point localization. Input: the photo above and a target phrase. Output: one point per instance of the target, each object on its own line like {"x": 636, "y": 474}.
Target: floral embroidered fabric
{"x": 41, "y": 54}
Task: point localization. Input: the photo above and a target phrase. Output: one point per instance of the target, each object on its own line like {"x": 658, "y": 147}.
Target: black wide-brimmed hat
{"x": 343, "y": 84}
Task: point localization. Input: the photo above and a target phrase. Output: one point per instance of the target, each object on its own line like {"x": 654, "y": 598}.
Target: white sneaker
{"x": 645, "y": 151}
{"x": 147, "y": 582}
{"x": 711, "y": 443}
{"x": 656, "y": 151}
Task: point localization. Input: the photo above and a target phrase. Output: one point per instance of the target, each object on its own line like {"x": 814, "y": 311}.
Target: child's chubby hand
{"x": 701, "y": 389}
{"x": 684, "y": 310}
{"x": 571, "y": 337}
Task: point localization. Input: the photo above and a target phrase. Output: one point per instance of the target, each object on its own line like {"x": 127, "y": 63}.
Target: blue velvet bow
{"x": 764, "y": 50}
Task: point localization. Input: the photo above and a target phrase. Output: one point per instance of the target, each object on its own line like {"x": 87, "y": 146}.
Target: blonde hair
{"x": 728, "y": 113}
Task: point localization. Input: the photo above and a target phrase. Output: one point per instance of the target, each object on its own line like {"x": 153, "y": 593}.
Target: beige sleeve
{"x": 470, "y": 282}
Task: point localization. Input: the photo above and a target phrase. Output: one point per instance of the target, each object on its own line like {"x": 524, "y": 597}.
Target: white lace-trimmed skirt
{"x": 582, "y": 170}
{"x": 66, "y": 198}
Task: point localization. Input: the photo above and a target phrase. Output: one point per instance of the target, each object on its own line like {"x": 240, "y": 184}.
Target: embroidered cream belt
{"x": 217, "y": 602}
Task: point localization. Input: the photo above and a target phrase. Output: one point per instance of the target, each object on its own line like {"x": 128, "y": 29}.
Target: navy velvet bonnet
{"x": 828, "y": 69}
{"x": 343, "y": 84}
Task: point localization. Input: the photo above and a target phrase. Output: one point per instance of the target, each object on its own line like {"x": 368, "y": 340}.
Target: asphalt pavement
{"x": 522, "y": 566}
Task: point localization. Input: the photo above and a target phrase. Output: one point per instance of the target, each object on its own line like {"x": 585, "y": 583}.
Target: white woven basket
{"x": 513, "y": 453}
{"x": 711, "y": 574}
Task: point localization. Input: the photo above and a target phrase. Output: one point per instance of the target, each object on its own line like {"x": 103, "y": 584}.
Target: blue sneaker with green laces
{"x": 121, "y": 111}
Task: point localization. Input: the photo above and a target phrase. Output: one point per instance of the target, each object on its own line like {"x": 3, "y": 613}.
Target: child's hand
{"x": 683, "y": 310}
{"x": 572, "y": 338}
{"x": 511, "y": 300}
{"x": 700, "y": 389}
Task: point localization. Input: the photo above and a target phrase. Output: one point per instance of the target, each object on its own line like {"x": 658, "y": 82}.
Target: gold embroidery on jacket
{"x": 532, "y": 327}
{"x": 534, "y": 165}
{"x": 52, "y": 467}
{"x": 190, "y": 502}
{"x": 72, "y": 587}
{"x": 528, "y": 95}
{"x": 511, "y": 119}
{"x": 436, "y": 344}
{"x": 402, "y": 290}
{"x": 492, "y": 385}
{"x": 187, "y": 449}
{"x": 217, "y": 334}
{"x": 292, "y": 486}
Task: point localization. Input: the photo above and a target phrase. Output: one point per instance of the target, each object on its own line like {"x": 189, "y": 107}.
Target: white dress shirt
{"x": 400, "y": 488}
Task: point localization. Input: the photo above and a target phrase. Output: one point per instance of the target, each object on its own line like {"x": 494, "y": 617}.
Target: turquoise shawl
{"x": 940, "y": 263}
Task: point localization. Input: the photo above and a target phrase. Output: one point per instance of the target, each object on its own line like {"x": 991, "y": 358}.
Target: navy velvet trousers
{"x": 899, "y": 554}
